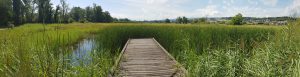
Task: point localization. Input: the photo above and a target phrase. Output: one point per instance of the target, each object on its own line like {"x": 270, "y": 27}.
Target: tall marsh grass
{"x": 204, "y": 50}
{"x": 217, "y": 50}
{"x": 38, "y": 50}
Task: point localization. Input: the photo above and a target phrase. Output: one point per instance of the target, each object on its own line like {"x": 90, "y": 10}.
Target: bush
{"x": 237, "y": 19}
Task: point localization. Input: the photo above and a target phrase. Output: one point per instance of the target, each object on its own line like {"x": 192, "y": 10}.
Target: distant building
{"x": 280, "y": 23}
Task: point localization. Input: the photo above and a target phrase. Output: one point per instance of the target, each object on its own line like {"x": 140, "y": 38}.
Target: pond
{"x": 81, "y": 55}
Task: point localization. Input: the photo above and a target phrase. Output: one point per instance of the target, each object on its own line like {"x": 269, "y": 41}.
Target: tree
{"x": 237, "y": 19}
{"x": 107, "y": 17}
{"x": 199, "y": 20}
{"x": 48, "y": 12}
{"x": 64, "y": 11}
{"x": 185, "y": 20}
{"x": 203, "y": 20}
{"x": 115, "y": 20}
{"x": 23, "y": 11}
{"x": 41, "y": 4}
{"x": 89, "y": 14}
{"x": 33, "y": 9}
{"x": 27, "y": 10}
{"x": 6, "y": 12}
{"x": 179, "y": 20}
{"x": 77, "y": 13}
{"x": 98, "y": 14}
{"x": 17, "y": 15}
{"x": 167, "y": 21}
{"x": 124, "y": 20}
{"x": 57, "y": 14}
{"x": 182, "y": 20}
{"x": 44, "y": 11}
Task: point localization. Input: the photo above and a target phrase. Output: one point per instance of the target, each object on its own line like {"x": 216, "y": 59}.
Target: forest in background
{"x": 18, "y": 12}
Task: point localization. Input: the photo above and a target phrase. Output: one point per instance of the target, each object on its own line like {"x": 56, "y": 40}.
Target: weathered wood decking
{"x": 147, "y": 58}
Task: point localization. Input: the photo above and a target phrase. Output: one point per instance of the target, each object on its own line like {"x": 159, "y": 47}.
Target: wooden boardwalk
{"x": 146, "y": 58}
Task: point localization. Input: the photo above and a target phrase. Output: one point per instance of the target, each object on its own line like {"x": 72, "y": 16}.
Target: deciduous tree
{"x": 167, "y": 21}
{"x": 237, "y": 19}
{"x": 77, "y": 13}
{"x": 17, "y": 15}
{"x": 185, "y": 20}
{"x": 107, "y": 17}
{"x": 98, "y": 14}
{"x": 179, "y": 20}
{"x": 6, "y": 12}
{"x": 57, "y": 14}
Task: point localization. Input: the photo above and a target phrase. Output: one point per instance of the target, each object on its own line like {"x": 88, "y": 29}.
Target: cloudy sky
{"x": 161, "y": 9}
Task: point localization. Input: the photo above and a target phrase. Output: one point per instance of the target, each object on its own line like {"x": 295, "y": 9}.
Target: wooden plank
{"x": 111, "y": 72}
{"x": 182, "y": 71}
{"x": 144, "y": 58}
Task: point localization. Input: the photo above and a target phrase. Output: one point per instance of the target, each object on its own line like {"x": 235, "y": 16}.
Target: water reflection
{"x": 82, "y": 54}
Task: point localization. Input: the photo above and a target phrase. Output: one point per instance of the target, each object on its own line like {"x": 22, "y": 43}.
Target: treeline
{"x": 90, "y": 14}
{"x": 18, "y": 12}
{"x": 182, "y": 20}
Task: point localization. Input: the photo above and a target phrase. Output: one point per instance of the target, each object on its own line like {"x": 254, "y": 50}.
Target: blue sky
{"x": 161, "y": 9}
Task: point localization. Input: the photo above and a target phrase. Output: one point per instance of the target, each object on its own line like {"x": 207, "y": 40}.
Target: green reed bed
{"x": 36, "y": 50}
{"x": 204, "y": 50}
{"x": 217, "y": 50}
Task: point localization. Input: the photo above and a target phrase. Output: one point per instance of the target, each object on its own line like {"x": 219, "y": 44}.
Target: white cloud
{"x": 153, "y": 9}
{"x": 253, "y": 2}
{"x": 161, "y": 9}
{"x": 249, "y": 11}
{"x": 210, "y": 10}
{"x": 156, "y": 1}
{"x": 229, "y": 2}
{"x": 294, "y": 8}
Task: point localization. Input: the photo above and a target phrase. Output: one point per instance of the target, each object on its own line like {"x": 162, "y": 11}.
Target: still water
{"x": 82, "y": 54}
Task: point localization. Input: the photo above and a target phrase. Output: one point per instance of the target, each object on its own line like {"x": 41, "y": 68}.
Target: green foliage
{"x": 57, "y": 14}
{"x": 221, "y": 50}
{"x": 122, "y": 20}
{"x": 237, "y": 19}
{"x": 24, "y": 11}
{"x": 185, "y": 20}
{"x": 44, "y": 11}
{"x": 6, "y": 12}
{"x": 179, "y": 20}
{"x": 17, "y": 15}
{"x": 64, "y": 11}
{"x": 182, "y": 20}
{"x": 77, "y": 13}
{"x": 200, "y": 20}
{"x": 167, "y": 21}
{"x": 90, "y": 14}
{"x": 32, "y": 51}
{"x": 98, "y": 14}
{"x": 28, "y": 10}
{"x": 107, "y": 17}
